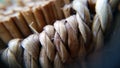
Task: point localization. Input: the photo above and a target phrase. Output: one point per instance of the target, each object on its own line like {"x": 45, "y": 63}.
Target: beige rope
{"x": 101, "y": 22}
{"x": 61, "y": 43}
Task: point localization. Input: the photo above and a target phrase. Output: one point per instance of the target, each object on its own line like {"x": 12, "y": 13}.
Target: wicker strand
{"x": 60, "y": 43}
{"x": 21, "y": 21}
{"x": 101, "y": 22}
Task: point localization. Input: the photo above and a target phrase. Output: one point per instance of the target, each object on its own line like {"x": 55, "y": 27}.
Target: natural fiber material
{"x": 101, "y": 22}
{"x": 19, "y": 21}
{"x": 58, "y": 44}
{"x": 62, "y": 42}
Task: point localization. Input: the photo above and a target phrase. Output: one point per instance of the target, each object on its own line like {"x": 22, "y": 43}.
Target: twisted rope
{"x": 61, "y": 43}
{"x": 101, "y": 22}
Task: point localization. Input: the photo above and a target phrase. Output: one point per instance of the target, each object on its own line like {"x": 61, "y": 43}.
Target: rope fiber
{"x": 62, "y": 42}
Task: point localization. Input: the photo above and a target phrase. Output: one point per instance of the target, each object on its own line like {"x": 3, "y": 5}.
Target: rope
{"x": 101, "y": 22}
{"x": 62, "y": 42}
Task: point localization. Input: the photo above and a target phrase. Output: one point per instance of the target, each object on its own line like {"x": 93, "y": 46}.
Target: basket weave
{"x": 63, "y": 43}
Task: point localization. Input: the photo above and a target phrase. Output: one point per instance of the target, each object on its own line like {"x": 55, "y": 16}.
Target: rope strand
{"x": 62, "y": 42}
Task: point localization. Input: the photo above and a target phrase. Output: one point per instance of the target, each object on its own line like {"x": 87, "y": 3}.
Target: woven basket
{"x": 59, "y": 25}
